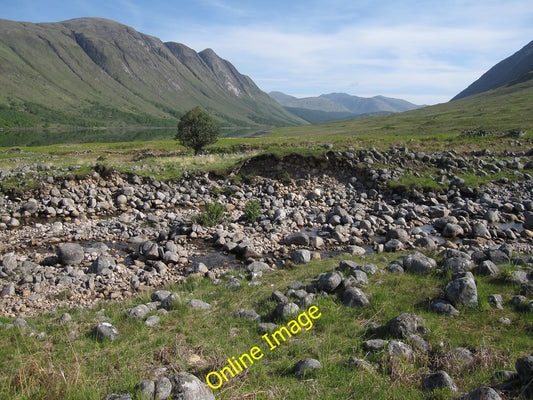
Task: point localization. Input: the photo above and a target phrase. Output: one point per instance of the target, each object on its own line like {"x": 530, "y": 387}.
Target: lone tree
{"x": 197, "y": 129}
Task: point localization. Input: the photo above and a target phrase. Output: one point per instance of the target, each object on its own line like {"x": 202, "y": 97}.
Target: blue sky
{"x": 422, "y": 51}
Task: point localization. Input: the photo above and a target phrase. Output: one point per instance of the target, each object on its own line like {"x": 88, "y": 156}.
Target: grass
{"x": 76, "y": 366}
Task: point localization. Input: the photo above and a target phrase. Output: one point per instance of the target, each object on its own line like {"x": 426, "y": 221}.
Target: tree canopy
{"x": 197, "y": 129}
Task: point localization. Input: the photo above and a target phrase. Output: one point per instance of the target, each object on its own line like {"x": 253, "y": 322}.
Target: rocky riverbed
{"x": 73, "y": 241}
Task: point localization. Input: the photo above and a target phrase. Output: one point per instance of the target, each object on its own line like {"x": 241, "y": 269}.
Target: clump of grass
{"x": 213, "y": 214}
{"x": 252, "y": 210}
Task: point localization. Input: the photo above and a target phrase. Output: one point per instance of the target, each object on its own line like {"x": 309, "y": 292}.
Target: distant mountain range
{"x": 94, "y": 72}
{"x": 514, "y": 69}
{"x": 337, "y": 106}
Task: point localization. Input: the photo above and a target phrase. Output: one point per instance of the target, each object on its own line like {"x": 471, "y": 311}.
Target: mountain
{"x": 98, "y": 72}
{"x": 338, "y": 106}
{"x": 513, "y": 69}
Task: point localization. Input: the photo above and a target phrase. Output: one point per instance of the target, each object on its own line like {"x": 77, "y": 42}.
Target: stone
{"x": 160, "y": 295}
{"x": 452, "y": 230}
{"x": 70, "y": 254}
{"x": 297, "y": 238}
{"x": 258, "y": 266}
{"x": 360, "y": 364}
{"x": 246, "y": 314}
{"x": 31, "y": 206}
{"x": 360, "y": 278}
{"x": 152, "y": 320}
{"x": 65, "y": 318}
{"x": 419, "y": 263}
{"x": 103, "y": 265}
{"x": 457, "y": 264}
{"x": 146, "y": 389}
{"x": 480, "y": 230}
{"x": 139, "y": 311}
{"x": 9, "y": 263}
{"x": 439, "y": 380}
{"x": 186, "y": 386}
{"x": 482, "y": 393}
{"x": 198, "y": 304}
{"x": 304, "y": 367}
{"x": 106, "y": 331}
{"x": 328, "y": 282}
{"x": 21, "y": 323}
{"x": 374, "y": 345}
{"x": 397, "y": 234}
{"x": 170, "y": 301}
{"x": 524, "y": 367}
{"x": 301, "y": 257}
{"x": 487, "y": 267}
{"x": 163, "y": 388}
{"x": 462, "y": 291}
{"x": 354, "y": 297}
{"x": 443, "y": 307}
{"x": 393, "y": 245}
{"x": 528, "y": 223}
{"x": 403, "y": 325}
{"x": 8, "y": 290}
{"x": 496, "y": 301}
{"x": 284, "y": 310}
{"x": 397, "y": 349}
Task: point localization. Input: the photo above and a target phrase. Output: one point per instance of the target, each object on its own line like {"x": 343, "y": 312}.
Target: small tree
{"x": 197, "y": 129}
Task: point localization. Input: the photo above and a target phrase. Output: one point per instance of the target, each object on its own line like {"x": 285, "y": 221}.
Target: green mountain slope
{"x": 509, "y": 107}
{"x": 511, "y": 69}
{"x": 93, "y": 71}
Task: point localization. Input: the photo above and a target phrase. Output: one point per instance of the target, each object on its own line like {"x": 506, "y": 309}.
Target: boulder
{"x": 186, "y": 386}
{"x": 354, "y": 297}
{"x": 305, "y": 366}
{"x": 70, "y": 254}
{"x": 462, "y": 291}
{"x": 419, "y": 263}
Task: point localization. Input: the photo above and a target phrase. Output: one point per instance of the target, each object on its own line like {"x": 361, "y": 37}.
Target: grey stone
{"x": 360, "y": 278}
{"x": 495, "y": 300}
{"x": 480, "y": 230}
{"x": 393, "y": 245}
{"x": 31, "y": 206}
{"x": 397, "y": 234}
{"x": 361, "y": 364}
{"x": 354, "y": 297}
{"x": 301, "y": 257}
{"x": 103, "y": 265}
{"x": 163, "y": 388}
{"x": 297, "y": 238}
{"x": 452, "y": 230}
{"x": 462, "y": 291}
{"x": 524, "y": 367}
{"x": 153, "y": 320}
{"x": 528, "y": 223}
{"x": 518, "y": 277}
{"x": 9, "y": 263}
{"x": 403, "y": 325}
{"x": 400, "y": 350}
{"x": 146, "y": 389}
{"x": 279, "y": 297}
{"x": 169, "y": 302}
{"x": 199, "y": 304}
{"x": 186, "y": 386}
{"x": 374, "y": 345}
{"x": 487, "y": 267}
{"x": 419, "y": 263}
{"x": 284, "y": 310}
{"x": 305, "y": 366}
{"x": 457, "y": 264}
{"x": 8, "y": 290}
{"x": 106, "y": 331}
{"x": 65, "y": 318}
{"x": 139, "y": 311}
{"x": 265, "y": 327}
{"x": 70, "y": 254}
{"x": 439, "y": 380}
{"x": 21, "y": 323}
{"x": 443, "y": 307}
{"x": 328, "y": 282}
{"x": 246, "y": 314}
{"x": 160, "y": 295}
{"x": 483, "y": 393}
{"x": 258, "y": 266}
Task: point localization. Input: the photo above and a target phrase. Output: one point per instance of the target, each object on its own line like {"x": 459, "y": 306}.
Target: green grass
{"x": 62, "y": 366}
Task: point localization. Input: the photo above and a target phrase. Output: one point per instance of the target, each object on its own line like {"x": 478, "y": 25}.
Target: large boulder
{"x": 419, "y": 263}
{"x": 462, "y": 291}
{"x": 70, "y": 254}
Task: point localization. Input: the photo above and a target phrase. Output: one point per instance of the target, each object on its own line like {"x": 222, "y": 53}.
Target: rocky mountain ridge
{"x": 92, "y": 71}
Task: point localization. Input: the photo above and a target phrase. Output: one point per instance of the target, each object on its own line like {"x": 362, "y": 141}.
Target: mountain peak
{"x": 513, "y": 68}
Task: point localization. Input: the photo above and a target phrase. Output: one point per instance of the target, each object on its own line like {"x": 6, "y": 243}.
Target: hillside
{"x": 339, "y": 106}
{"x": 509, "y": 107}
{"x": 512, "y": 69}
{"x": 94, "y": 72}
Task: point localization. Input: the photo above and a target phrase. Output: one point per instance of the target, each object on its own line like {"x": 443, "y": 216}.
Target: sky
{"x": 421, "y": 51}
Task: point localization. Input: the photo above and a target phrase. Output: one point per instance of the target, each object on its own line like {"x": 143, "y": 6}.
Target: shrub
{"x": 252, "y": 210}
{"x": 213, "y": 214}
